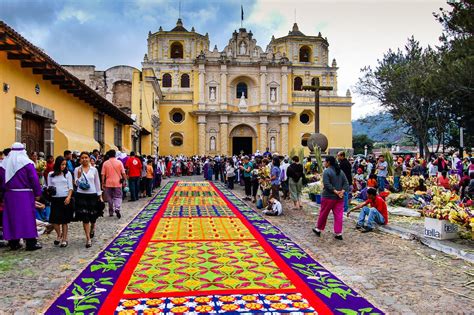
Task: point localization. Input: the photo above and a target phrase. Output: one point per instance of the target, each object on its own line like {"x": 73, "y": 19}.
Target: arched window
{"x": 298, "y": 84}
{"x": 305, "y": 53}
{"x": 176, "y": 50}
{"x": 313, "y": 81}
{"x": 185, "y": 80}
{"x": 241, "y": 88}
{"x": 176, "y": 139}
{"x": 167, "y": 81}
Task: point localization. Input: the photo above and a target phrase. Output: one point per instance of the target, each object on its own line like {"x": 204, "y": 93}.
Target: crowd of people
{"x": 47, "y": 193}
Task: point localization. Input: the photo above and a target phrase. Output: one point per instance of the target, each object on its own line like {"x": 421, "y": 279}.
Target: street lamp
{"x": 365, "y": 150}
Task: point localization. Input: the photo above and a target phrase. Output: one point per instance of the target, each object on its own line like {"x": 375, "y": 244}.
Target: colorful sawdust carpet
{"x": 196, "y": 248}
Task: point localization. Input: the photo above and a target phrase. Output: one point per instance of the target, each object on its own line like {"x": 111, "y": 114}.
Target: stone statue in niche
{"x": 242, "y": 102}
{"x": 255, "y": 52}
{"x": 212, "y": 94}
{"x": 272, "y": 144}
{"x": 243, "y": 49}
{"x": 212, "y": 145}
{"x": 229, "y": 52}
{"x": 273, "y": 95}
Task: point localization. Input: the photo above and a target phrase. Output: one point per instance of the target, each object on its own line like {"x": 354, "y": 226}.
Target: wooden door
{"x": 32, "y": 133}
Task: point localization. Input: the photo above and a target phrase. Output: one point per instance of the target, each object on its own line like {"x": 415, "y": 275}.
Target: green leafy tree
{"x": 403, "y": 84}
{"x": 360, "y": 141}
{"x": 457, "y": 67}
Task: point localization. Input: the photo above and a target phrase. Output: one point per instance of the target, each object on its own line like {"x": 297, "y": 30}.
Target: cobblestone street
{"x": 32, "y": 280}
{"x": 398, "y": 276}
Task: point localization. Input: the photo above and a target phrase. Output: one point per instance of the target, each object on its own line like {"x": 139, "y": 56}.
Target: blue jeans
{"x": 381, "y": 182}
{"x": 373, "y": 216}
{"x": 346, "y": 201}
{"x": 396, "y": 183}
{"x": 134, "y": 183}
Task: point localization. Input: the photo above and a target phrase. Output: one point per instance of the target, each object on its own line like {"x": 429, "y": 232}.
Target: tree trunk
{"x": 420, "y": 146}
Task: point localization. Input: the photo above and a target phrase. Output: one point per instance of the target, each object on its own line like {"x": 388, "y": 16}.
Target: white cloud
{"x": 202, "y": 15}
{"x": 358, "y": 31}
{"x": 69, "y": 12}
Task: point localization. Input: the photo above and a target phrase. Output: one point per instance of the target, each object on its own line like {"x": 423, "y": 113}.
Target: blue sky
{"x": 106, "y": 33}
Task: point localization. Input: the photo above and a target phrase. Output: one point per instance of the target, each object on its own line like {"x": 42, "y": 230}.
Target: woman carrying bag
{"x": 61, "y": 189}
{"x": 89, "y": 203}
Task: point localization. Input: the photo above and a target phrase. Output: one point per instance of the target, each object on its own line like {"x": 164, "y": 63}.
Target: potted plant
{"x": 315, "y": 189}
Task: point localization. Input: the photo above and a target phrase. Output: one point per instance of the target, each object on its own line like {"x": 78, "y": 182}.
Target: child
{"x": 276, "y": 208}
{"x": 372, "y": 182}
{"x": 266, "y": 187}
{"x": 41, "y": 223}
{"x": 376, "y": 213}
{"x": 359, "y": 179}
{"x": 149, "y": 177}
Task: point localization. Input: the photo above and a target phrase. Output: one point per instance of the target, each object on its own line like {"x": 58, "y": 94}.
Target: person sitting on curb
{"x": 276, "y": 208}
{"x": 376, "y": 213}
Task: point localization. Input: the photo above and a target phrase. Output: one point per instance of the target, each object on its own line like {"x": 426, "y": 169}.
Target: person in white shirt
{"x": 230, "y": 173}
{"x": 284, "y": 179}
{"x": 61, "y": 212}
{"x": 88, "y": 195}
{"x": 432, "y": 169}
{"x": 276, "y": 208}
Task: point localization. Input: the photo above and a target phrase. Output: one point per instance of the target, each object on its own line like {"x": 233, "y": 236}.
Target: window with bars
{"x": 118, "y": 135}
{"x": 99, "y": 128}
{"x": 298, "y": 84}
{"x": 185, "y": 80}
{"x": 167, "y": 80}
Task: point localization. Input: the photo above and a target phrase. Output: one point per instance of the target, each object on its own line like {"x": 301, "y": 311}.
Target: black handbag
{"x": 100, "y": 206}
{"x": 51, "y": 191}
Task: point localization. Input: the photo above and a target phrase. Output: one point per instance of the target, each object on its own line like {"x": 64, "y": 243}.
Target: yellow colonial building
{"x": 242, "y": 98}
{"x": 49, "y": 109}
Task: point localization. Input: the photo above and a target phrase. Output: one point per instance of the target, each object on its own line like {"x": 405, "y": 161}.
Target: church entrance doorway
{"x": 32, "y": 133}
{"x": 242, "y": 145}
{"x": 242, "y": 138}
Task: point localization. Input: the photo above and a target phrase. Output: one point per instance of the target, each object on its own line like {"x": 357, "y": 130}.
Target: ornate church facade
{"x": 243, "y": 98}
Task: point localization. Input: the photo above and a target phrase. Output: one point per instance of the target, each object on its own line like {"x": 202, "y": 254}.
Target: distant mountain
{"x": 380, "y": 128}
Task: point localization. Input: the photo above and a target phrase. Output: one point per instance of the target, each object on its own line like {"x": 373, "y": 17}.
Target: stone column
{"x": 18, "y": 119}
{"x": 202, "y": 84}
{"x": 263, "y": 88}
{"x": 202, "y": 135}
{"x": 263, "y": 133}
{"x": 224, "y": 135}
{"x": 176, "y": 79}
{"x": 223, "y": 87}
{"x": 284, "y": 88}
{"x": 49, "y": 126}
{"x": 284, "y": 134}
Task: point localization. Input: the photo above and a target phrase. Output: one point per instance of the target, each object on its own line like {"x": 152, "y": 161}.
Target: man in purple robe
{"x": 20, "y": 186}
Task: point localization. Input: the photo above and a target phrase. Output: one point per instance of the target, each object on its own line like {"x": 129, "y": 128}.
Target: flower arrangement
{"x": 315, "y": 188}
